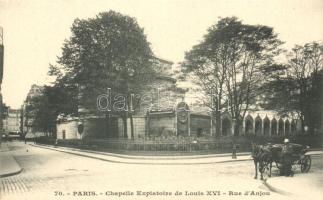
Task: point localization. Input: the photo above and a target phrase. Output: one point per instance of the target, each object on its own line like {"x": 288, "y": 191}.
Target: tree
{"x": 228, "y": 64}
{"x": 44, "y": 108}
{"x": 108, "y": 51}
{"x": 296, "y": 87}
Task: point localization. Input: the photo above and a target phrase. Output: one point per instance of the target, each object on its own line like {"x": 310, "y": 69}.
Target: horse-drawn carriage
{"x": 282, "y": 155}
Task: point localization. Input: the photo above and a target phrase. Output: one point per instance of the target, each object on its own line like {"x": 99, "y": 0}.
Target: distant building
{"x": 1, "y": 77}
{"x": 11, "y": 123}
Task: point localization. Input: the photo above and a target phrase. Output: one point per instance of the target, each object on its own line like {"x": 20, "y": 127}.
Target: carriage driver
{"x": 287, "y": 158}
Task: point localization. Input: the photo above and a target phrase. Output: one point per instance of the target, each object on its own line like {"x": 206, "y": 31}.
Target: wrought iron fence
{"x": 177, "y": 144}
{"x": 156, "y": 145}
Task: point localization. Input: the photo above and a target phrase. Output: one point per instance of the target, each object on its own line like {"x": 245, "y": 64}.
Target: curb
{"x": 276, "y": 190}
{"x": 11, "y": 174}
{"x": 124, "y": 162}
{"x": 148, "y": 157}
{"x": 14, "y": 172}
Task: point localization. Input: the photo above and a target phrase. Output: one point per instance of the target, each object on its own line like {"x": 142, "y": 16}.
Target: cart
{"x": 297, "y": 157}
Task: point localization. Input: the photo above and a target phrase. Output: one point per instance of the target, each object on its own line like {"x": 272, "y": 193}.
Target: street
{"x": 49, "y": 174}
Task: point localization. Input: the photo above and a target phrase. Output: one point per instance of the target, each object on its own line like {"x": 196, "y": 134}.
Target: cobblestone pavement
{"x": 50, "y": 174}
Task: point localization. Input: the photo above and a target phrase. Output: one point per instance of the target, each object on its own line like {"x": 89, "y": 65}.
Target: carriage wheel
{"x": 265, "y": 170}
{"x": 306, "y": 164}
{"x": 280, "y": 168}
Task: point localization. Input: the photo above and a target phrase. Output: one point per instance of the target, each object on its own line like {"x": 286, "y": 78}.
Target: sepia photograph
{"x": 161, "y": 100}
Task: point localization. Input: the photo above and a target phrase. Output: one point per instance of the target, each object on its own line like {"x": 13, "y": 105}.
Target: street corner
{"x": 8, "y": 165}
{"x": 300, "y": 185}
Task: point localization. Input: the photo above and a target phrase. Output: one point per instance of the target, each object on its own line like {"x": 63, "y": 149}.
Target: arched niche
{"x": 293, "y": 127}
{"x": 274, "y": 126}
{"x": 287, "y": 127}
{"x": 281, "y": 129}
{"x": 258, "y": 125}
{"x": 249, "y": 125}
{"x": 266, "y": 126}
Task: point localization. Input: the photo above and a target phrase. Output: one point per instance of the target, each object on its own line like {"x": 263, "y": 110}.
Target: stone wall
{"x": 95, "y": 128}
{"x": 139, "y": 124}
{"x": 68, "y": 128}
{"x": 139, "y": 127}
{"x": 165, "y": 124}
{"x": 200, "y": 125}
{"x": 162, "y": 124}
{"x": 257, "y": 125}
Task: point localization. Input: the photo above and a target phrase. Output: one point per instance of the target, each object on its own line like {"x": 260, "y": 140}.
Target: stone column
{"x": 254, "y": 126}
{"x": 233, "y": 123}
{"x": 146, "y": 124}
{"x": 211, "y": 123}
{"x": 189, "y": 122}
{"x": 284, "y": 128}
{"x": 244, "y": 126}
{"x": 269, "y": 128}
{"x": 175, "y": 123}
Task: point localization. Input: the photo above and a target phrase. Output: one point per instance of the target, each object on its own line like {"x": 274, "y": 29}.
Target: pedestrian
{"x": 25, "y": 138}
{"x": 234, "y": 151}
{"x": 287, "y": 158}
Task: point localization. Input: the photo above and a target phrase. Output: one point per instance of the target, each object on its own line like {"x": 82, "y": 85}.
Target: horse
{"x": 282, "y": 154}
{"x": 262, "y": 157}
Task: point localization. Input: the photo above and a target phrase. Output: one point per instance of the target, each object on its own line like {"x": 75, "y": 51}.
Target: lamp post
{"x": 217, "y": 116}
{"x": 131, "y": 73}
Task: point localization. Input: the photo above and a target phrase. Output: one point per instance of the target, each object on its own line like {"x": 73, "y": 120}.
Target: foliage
{"x": 297, "y": 86}
{"x": 228, "y": 63}
{"x": 108, "y": 51}
{"x": 44, "y": 108}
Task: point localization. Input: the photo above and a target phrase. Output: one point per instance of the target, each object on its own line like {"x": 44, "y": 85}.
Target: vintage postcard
{"x": 162, "y": 99}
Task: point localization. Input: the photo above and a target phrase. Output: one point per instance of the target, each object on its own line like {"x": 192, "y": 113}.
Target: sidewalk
{"x": 314, "y": 152}
{"x": 159, "y": 160}
{"x": 8, "y": 165}
{"x": 307, "y": 185}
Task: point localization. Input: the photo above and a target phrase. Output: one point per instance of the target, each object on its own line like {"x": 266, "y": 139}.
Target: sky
{"x": 34, "y": 30}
